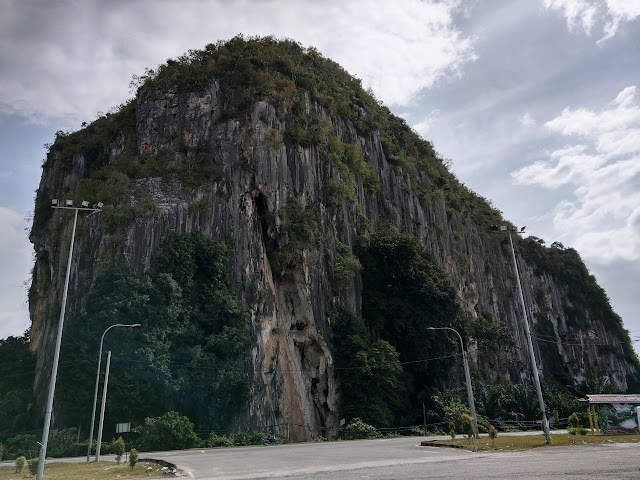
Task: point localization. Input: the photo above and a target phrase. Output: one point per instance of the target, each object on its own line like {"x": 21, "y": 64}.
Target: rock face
{"x": 259, "y": 168}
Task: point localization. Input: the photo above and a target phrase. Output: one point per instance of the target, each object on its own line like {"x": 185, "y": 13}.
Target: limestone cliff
{"x": 220, "y": 141}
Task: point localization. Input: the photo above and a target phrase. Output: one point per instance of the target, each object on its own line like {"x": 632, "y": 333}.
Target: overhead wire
{"x": 197, "y": 367}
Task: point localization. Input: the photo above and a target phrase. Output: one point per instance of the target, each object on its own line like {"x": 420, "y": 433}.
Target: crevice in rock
{"x": 267, "y": 227}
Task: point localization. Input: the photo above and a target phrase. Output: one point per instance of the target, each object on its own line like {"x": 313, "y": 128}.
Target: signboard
{"x": 123, "y": 427}
{"x": 617, "y": 418}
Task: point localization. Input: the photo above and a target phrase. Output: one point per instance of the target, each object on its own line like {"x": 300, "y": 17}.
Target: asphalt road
{"x": 404, "y": 458}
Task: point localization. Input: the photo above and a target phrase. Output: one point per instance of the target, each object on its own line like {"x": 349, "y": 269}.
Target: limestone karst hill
{"x": 285, "y": 242}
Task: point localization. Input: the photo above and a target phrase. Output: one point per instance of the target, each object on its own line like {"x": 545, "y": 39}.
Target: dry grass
{"x": 534, "y": 441}
{"x": 85, "y": 471}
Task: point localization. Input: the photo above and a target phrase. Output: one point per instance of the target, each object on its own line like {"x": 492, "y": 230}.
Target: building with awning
{"x": 614, "y": 414}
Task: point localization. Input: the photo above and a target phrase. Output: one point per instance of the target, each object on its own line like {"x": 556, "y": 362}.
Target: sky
{"x": 535, "y": 102}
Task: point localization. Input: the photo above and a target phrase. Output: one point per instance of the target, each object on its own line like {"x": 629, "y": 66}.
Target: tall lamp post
{"x": 467, "y": 376}
{"x": 95, "y": 394}
{"x": 68, "y": 205}
{"x": 525, "y": 321}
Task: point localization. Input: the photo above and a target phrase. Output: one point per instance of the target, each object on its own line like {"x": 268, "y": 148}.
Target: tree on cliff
{"x": 191, "y": 346}
{"x": 369, "y": 372}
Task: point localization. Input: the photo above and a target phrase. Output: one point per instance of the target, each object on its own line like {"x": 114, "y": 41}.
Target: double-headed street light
{"x": 68, "y": 205}
{"x": 95, "y": 395}
{"x": 525, "y": 321}
{"x": 467, "y": 376}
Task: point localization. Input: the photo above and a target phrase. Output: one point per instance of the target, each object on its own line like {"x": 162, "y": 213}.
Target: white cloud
{"x": 15, "y": 250}
{"x": 527, "y": 120}
{"x": 603, "y": 169}
{"x": 622, "y": 112}
{"x": 68, "y": 60}
{"x": 578, "y": 12}
{"x": 586, "y": 13}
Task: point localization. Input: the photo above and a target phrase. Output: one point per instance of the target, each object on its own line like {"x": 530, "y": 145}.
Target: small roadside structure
{"x": 614, "y": 414}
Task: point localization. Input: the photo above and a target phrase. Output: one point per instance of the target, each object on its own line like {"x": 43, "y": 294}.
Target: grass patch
{"x": 85, "y": 471}
{"x": 526, "y": 442}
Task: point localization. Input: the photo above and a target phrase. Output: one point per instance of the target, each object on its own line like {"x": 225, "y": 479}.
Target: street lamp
{"x": 532, "y": 355}
{"x": 95, "y": 395}
{"x": 55, "y": 204}
{"x": 467, "y": 375}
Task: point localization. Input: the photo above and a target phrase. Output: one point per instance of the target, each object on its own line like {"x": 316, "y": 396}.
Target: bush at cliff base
{"x": 133, "y": 458}
{"x": 357, "y": 429}
{"x": 33, "y": 465}
{"x": 20, "y": 463}
{"x": 170, "y": 431}
{"x": 118, "y": 447}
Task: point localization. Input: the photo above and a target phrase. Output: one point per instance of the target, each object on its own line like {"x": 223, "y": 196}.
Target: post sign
{"x": 123, "y": 427}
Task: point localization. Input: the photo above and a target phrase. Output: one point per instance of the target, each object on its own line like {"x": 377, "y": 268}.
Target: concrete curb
{"x": 172, "y": 468}
{"x": 434, "y": 443}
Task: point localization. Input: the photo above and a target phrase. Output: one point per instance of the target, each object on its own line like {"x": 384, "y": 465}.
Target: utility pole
{"x": 532, "y": 355}
{"x": 104, "y": 403}
{"x": 424, "y": 419}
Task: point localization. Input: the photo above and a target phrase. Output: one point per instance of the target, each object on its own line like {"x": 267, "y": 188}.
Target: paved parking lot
{"x": 404, "y": 458}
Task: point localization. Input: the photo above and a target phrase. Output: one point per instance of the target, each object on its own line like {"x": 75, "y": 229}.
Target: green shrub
{"x": 577, "y": 431}
{"x": 64, "y": 443}
{"x": 493, "y": 434}
{"x": 357, "y": 429}
{"x": 456, "y": 413}
{"x": 133, "y": 458}
{"x": 214, "y": 440}
{"x": 33, "y": 465}
{"x": 348, "y": 159}
{"x": 22, "y": 445}
{"x": 467, "y": 425}
{"x": 20, "y": 463}
{"x": 483, "y": 424}
{"x": 302, "y": 227}
{"x": 118, "y": 448}
{"x": 170, "y": 431}
{"x": 346, "y": 268}
{"x": 574, "y": 421}
{"x": 583, "y": 419}
{"x": 248, "y": 437}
